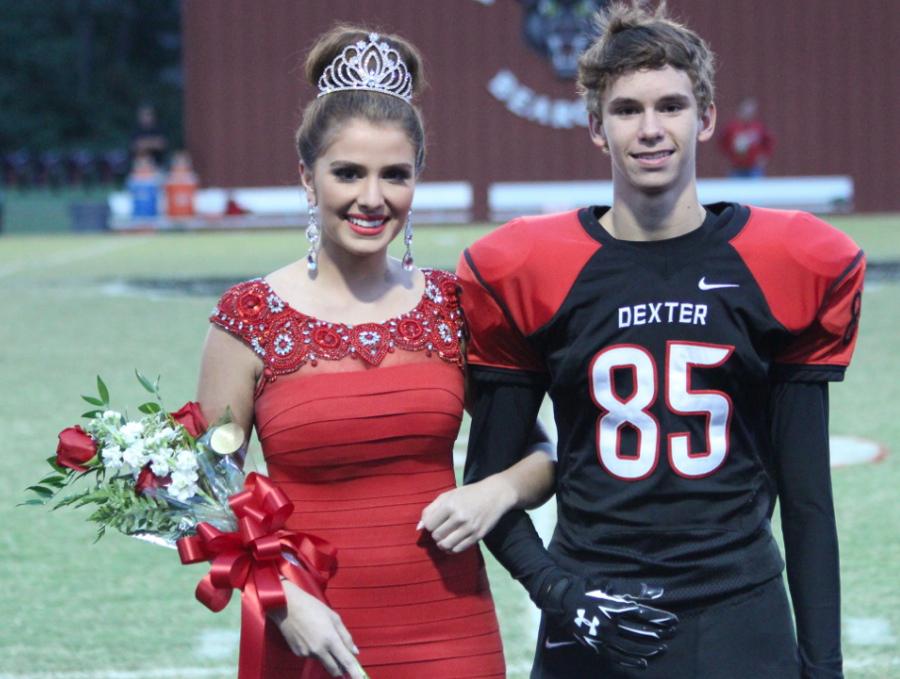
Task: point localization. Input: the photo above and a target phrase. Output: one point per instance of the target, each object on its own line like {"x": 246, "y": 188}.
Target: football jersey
{"x": 659, "y": 358}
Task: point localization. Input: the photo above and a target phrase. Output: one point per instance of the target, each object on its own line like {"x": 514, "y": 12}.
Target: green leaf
{"x": 58, "y": 467}
{"x": 102, "y": 390}
{"x": 65, "y": 502}
{"x": 145, "y": 382}
{"x": 91, "y": 414}
{"x": 149, "y": 407}
{"x": 54, "y": 480}
{"x": 33, "y": 501}
{"x": 40, "y": 490}
{"x": 93, "y": 401}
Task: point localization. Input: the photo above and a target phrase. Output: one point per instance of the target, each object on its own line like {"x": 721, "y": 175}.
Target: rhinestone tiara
{"x": 374, "y": 66}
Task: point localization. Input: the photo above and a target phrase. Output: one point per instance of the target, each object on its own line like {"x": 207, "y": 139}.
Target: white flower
{"x": 184, "y": 477}
{"x": 183, "y": 493}
{"x": 160, "y": 464}
{"x": 134, "y": 455}
{"x": 167, "y": 434}
{"x": 183, "y": 486}
{"x": 131, "y": 431}
{"x": 100, "y": 429}
{"x": 112, "y": 457}
{"x": 160, "y": 439}
{"x": 185, "y": 460}
{"x": 111, "y": 417}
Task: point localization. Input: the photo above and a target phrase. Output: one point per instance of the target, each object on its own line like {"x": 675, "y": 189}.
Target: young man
{"x": 687, "y": 351}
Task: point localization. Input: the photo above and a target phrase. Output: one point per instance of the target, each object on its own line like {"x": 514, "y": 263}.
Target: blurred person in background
{"x": 148, "y": 138}
{"x": 747, "y": 142}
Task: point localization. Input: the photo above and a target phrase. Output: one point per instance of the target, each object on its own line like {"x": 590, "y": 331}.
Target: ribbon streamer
{"x": 253, "y": 559}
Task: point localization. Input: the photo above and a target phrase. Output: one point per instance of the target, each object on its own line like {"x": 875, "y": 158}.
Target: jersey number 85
{"x": 634, "y": 410}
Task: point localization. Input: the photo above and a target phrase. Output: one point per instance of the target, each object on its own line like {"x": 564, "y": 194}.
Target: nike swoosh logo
{"x": 703, "y": 285}
{"x": 556, "y": 644}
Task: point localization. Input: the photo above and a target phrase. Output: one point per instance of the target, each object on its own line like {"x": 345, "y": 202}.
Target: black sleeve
{"x": 539, "y": 439}
{"x": 504, "y": 408}
{"x": 799, "y": 418}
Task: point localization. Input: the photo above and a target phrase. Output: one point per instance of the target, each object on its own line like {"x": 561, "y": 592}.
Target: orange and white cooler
{"x": 181, "y": 187}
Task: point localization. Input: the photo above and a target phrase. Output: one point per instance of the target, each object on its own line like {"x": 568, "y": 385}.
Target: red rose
{"x": 191, "y": 418}
{"x": 75, "y": 448}
{"x": 147, "y": 480}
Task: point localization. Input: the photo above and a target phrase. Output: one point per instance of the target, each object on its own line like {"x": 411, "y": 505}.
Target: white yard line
{"x": 158, "y": 673}
{"x": 212, "y": 644}
{"x": 847, "y": 450}
{"x": 68, "y": 256}
{"x": 869, "y": 632}
{"x": 868, "y": 663}
{"x": 217, "y": 644}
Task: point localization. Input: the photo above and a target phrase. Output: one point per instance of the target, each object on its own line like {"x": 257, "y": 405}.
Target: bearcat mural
{"x": 560, "y": 30}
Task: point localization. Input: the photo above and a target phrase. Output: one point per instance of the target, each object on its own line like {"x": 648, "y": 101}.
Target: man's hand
{"x": 630, "y": 631}
{"x": 622, "y": 625}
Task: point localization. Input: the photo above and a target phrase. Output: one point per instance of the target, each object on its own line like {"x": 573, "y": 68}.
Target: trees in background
{"x": 74, "y": 72}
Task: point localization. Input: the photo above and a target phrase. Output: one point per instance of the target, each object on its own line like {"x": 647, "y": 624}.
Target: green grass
{"x": 35, "y": 212}
{"x": 877, "y": 234}
{"x": 71, "y": 605}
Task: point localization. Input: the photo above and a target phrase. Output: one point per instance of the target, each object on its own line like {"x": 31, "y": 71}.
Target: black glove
{"x": 604, "y": 620}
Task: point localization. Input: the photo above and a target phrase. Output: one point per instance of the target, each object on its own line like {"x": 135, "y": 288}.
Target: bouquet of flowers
{"x": 171, "y": 479}
{"x": 157, "y": 477}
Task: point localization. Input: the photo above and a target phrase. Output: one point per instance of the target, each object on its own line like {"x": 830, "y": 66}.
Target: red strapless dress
{"x": 357, "y": 425}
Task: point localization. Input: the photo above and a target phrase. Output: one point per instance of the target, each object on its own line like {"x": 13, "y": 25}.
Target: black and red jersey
{"x": 660, "y": 359}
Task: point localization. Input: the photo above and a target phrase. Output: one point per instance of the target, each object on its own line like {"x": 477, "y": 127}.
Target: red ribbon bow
{"x": 252, "y": 559}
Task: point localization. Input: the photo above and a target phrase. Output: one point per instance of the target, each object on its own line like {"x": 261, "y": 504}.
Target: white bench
{"x": 283, "y": 206}
{"x": 815, "y": 194}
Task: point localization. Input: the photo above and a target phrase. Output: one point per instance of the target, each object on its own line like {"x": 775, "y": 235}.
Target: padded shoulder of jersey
{"x": 530, "y": 264}
{"x": 797, "y": 260}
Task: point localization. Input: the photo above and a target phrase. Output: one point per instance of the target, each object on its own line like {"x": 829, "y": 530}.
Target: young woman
{"x": 349, "y": 364}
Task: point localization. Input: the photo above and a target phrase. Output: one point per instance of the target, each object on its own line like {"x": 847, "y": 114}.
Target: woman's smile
{"x": 371, "y": 225}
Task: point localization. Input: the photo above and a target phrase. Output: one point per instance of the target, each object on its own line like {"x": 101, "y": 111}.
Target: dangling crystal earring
{"x": 312, "y": 235}
{"x": 407, "y": 240}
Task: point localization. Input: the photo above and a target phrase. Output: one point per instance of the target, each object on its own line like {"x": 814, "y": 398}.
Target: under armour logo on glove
{"x": 592, "y": 624}
{"x": 631, "y": 632}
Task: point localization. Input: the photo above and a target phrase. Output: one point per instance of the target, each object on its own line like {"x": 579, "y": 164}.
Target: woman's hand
{"x": 459, "y": 518}
{"x": 312, "y": 629}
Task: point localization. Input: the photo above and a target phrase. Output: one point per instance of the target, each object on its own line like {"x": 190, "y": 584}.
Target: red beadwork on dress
{"x": 286, "y": 339}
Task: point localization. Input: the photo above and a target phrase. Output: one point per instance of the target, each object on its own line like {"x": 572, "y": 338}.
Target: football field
{"x": 78, "y": 306}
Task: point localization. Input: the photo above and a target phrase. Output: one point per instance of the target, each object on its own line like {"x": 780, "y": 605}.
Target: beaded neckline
{"x": 287, "y": 339}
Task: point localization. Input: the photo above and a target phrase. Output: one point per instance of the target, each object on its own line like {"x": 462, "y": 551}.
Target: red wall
{"x": 824, "y": 71}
